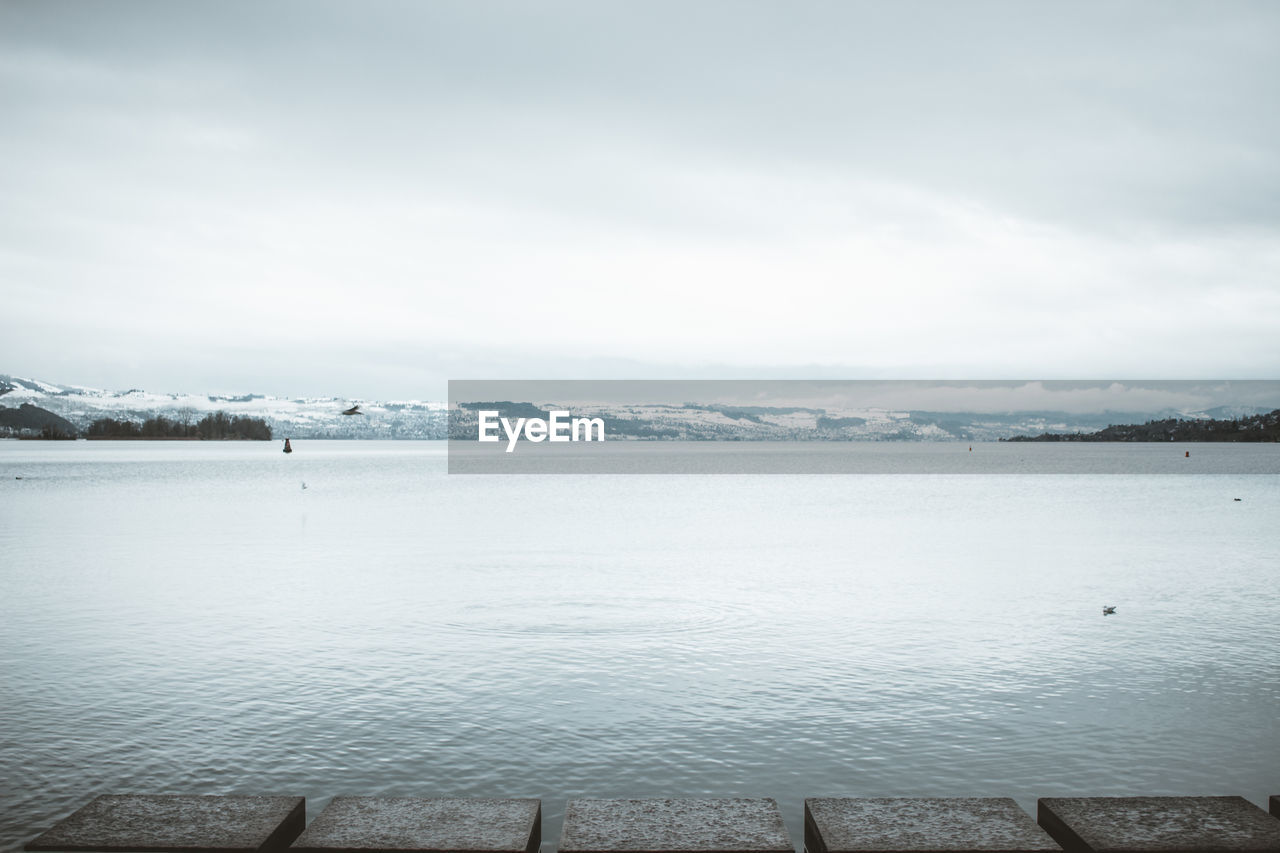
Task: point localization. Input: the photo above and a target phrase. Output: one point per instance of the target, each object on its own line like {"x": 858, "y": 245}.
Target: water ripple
{"x": 637, "y": 616}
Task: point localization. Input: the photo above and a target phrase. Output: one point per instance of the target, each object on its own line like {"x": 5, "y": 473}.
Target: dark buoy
{"x": 1188, "y": 456}
{"x": 287, "y": 448}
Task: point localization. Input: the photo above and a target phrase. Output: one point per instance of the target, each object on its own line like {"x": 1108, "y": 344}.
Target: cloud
{"x": 986, "y": 190}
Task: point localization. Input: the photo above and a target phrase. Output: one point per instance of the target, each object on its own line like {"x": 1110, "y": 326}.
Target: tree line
{"x": 218, "y": 426}
{"x": 1264, "y": 427}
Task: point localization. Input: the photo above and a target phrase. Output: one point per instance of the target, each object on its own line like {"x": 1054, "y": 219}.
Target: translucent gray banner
{"x": 864, "y": 427}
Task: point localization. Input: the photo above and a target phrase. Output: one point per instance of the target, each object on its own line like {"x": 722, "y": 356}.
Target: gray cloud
{"x": 998, "y": 188}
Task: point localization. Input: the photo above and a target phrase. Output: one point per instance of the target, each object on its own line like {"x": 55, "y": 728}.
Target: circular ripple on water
{"x": 631, "y": 616}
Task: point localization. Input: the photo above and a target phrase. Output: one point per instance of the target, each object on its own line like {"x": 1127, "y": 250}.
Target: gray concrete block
{"x": 424, "y": 824}
{"x": 674, "y": 826}
{"x": 164, "y": 822}
{"x": 914, "y": 824}
{"x": 1118, "y": 824}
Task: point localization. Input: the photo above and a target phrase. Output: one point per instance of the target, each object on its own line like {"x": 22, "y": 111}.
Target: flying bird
{"x": 354, "y": 410}
{"x": 1107, "y": 610}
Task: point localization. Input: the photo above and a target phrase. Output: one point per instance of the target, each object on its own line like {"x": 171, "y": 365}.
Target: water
{"x": 185, "y": 617}
{"x": 883, "y": 457}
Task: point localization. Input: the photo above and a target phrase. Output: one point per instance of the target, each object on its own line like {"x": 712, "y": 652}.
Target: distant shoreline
{"x": 163, "y": 438}
{"x": 1260, "y": 428}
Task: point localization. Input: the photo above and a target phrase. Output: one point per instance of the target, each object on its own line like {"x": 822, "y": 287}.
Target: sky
{"x": 368, "y": 199}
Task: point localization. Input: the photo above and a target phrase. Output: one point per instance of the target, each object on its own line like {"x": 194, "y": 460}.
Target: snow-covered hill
{"x": 692, "y": 422}
{"x": 297, "y": 417}
{"x": 322, "y": 417}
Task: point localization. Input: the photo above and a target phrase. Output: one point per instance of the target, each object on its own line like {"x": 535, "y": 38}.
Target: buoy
{"x": 1188, "y": 456}
{"x": 287, "y": 448}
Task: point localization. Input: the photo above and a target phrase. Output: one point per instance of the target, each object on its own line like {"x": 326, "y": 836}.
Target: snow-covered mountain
{"x": 694, "y": 422}
{"x": 322, "y": 417}
{"x": 297, "y": 417}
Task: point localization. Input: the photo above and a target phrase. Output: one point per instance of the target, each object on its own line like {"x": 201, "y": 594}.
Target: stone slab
{"x": 674, "y": 826}
{"x": 919, "y": 824}
{"x": 143, "y": 823}
{"x": 424, "y": 825}
{"x": 1123, "y": 824}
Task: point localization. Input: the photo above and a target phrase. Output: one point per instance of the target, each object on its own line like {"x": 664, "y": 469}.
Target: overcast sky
{"x": 367, "y": 199}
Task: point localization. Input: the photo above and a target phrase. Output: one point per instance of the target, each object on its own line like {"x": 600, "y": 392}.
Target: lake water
{"x": 186, "y": 617}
